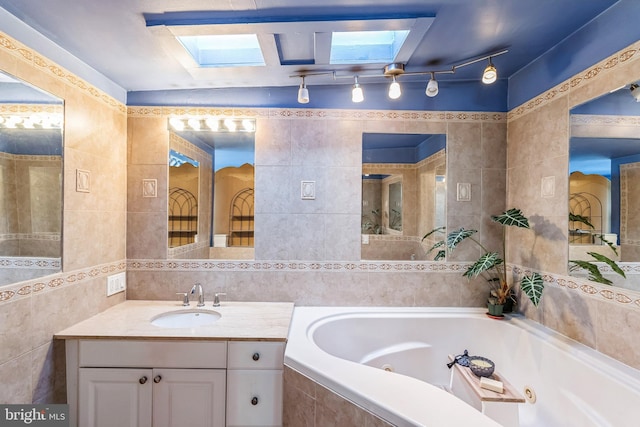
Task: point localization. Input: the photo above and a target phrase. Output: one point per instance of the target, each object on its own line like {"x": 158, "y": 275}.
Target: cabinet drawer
{"x": 255, "y": 355}
{"x": 254, "y": 398}
{"x": 157, "y": 354}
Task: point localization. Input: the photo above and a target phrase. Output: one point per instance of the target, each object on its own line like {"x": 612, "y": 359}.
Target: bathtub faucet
{"x": 200, "y": 294}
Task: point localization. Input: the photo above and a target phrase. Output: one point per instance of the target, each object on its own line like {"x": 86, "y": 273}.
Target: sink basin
{"x": 185, "y": 318}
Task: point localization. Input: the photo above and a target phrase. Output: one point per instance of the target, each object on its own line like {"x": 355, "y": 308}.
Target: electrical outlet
{"x": 116, "y": 283}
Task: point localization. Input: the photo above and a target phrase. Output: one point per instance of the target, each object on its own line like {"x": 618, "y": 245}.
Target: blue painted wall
{"x": 613, "y": 30}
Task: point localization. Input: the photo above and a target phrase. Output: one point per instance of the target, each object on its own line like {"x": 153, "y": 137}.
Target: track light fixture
{"x": 432, "y": 86}
{"x": 490, "y": 74}
{"x": 635, "y": 91}
{"x": 356, "y": 93}
{"x": 395, "y": 70}
{"x": 303, "y": 93}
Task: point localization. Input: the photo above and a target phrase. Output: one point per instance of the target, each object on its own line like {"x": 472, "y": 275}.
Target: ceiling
{"x": 131, "y": 41}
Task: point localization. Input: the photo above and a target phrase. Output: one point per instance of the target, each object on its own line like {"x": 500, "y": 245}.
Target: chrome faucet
{"x": 216, "y": 298}
{"x": 200, "y": 294}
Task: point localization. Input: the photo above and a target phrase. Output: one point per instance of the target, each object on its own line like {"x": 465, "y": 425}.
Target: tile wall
{"x": 605, "y": 318}
{"x": 31, "y": 363}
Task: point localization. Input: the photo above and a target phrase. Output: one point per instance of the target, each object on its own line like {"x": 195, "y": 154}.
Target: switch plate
{"x": 116, "y": 283}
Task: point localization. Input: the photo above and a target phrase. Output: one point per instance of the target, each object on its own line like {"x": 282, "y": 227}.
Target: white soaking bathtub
{"x": 392, "y": 362}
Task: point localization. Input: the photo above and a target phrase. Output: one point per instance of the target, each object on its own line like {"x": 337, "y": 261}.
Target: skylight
{"x": 357, "y": 47}
{"x": 234, "y": 50}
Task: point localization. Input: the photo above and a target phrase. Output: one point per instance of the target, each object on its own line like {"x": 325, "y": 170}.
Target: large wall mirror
{"x": 604, "y": 167}
{"x": 30, "y": 181}
{"x": 211, "y": 187}
{"x": 403, "y": 193}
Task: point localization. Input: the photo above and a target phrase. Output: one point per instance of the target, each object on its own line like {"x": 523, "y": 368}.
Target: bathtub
{"x": 392, "y": 362}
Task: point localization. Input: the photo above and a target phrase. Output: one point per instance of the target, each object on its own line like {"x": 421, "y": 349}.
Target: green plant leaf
{"x": 512, "y": 217}
{"x": 594, "y": 273}
{"x": 532, "y": 287}
{"x": 435, "y": 230}
{"x": 437, "y": 245}
{"x": 611, "y": 263}
{"x": 458, "y": 236}
{"x": 580, "y": 218}
{"x": 484, "y": 263}
{"x": 610, "y": 244}
{"x": 440, "y": 255}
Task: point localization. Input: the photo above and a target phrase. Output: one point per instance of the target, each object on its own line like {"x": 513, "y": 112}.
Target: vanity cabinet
{"x": 149, "y": 383}
{"x": 254, "y": 384}
{"x": 151, "y": 397}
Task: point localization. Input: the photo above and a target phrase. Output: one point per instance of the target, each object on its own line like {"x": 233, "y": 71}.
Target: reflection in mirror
{"x": 403, "y": 193}
{"x": 184, "y": 177}
{"x": 604, "y": 167}
{"x": 30, "y": 181}
{"x": 224, "y": 150}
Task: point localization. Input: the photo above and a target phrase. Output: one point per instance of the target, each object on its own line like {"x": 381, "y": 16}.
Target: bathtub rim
{"x": 313, "y": 362}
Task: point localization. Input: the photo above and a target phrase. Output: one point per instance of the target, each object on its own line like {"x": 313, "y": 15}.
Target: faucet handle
{"x": 185, "y": 298}
{"x": 216, "y": 298}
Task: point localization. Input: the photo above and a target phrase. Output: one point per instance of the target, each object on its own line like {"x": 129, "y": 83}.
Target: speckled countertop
{"x": 239, "y": 321}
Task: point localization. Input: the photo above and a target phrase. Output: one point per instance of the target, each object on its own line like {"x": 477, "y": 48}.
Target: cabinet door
{"x": 254, "y": 398}
{"x": 189, "y": 397}
{"x": 114, "y": 397}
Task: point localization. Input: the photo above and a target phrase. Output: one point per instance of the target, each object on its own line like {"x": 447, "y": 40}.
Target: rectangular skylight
{"x": 234, "y": 50}
{"x": 357, "y": 47}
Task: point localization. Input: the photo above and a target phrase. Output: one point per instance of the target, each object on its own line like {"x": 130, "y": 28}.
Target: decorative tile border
{"x": 31, "y": 263}
{"x": 33, "y": 58}
{"x": 24, "y": 289}
{"x": 605, "y": 120}
{"x": 583, "y": 287}
{"x": 599, "y": 70}
{"x": 319, "y": 114}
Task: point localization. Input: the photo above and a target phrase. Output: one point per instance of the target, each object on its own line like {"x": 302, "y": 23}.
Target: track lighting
{"x": 635, "y": 91}
{"x": 356, "y": 93}
{"x": 490, "y": 74}
{"x": 394, "y": 89}
{"x": 432, "y": 86}
{"x": 396, "y": 70}
{"x": 303, "y": 93}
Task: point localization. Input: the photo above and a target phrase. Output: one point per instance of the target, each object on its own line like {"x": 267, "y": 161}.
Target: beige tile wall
{"x": 605, "y": 318}
{"x": 31, "y": 363}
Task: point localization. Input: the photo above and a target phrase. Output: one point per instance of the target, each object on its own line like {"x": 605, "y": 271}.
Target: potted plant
{"x": 492, "y": 265}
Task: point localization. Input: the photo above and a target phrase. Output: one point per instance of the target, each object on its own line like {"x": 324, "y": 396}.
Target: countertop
{"x": 240, "y": 321}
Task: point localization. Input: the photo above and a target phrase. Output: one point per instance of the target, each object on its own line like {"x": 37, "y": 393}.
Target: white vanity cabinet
{"x": 149, "y": 383}
{"x": 254, "y": 384}
{"x": 146, "y": 383}
{"x": 151, "y": 397}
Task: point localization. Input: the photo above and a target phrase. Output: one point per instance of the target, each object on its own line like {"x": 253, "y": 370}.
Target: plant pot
{"x": 495, "y": 309}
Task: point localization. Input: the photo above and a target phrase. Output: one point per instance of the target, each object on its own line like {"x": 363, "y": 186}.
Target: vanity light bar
{"x": 34, "y": 121}
{"x": 212, "y": 124}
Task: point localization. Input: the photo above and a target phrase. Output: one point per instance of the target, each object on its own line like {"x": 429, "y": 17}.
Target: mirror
{"x": 30, "y": 181}
{"x": 403, "y": 193}
{"x": 219, "y": 222}
{"x": 604, "y": 167}
{"x": 184, "y": 185}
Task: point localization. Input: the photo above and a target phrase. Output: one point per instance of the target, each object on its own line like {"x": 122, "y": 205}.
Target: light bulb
{"x": 357, "y": 95}
{"x": 176, "y": 123}
{"x": 394, "y": 89}
{"x": 303, "y": 93}
{"x": 194, "y": 124}
{"x": 432, "y": 87}
{"x": 490, "y": 74}
{"x": 230, "y": 125}
{"x": 212, "y": 123}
